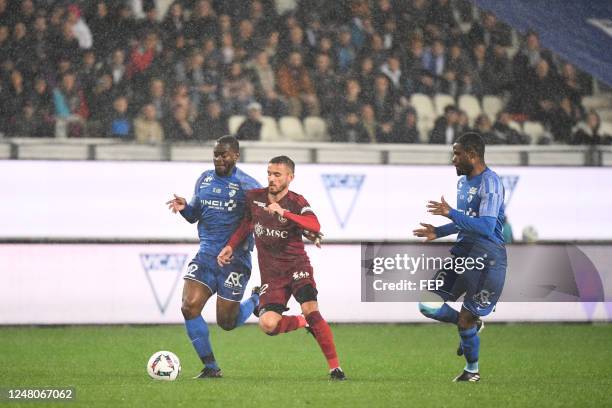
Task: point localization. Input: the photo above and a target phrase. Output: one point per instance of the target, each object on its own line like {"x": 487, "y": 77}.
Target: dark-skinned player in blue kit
{"x": 478, "y": 221}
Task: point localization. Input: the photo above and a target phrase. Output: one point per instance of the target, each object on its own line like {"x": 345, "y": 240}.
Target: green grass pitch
{"x": 537, "y": 365}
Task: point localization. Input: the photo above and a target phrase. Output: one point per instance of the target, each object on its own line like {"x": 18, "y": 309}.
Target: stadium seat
{"x": 269, "y": 130}
{"x": 441, "y": 101}
{"x": 234, "y": 123}
{"x": 605, "y": 115}
{"x": 492, "y": 105}
{"x": 291, "y": 128}
{"x": 316, "y": 129}
{"x": 516, "y": 126}
{"x": 606, "y": 128}
{"x": 424, "y": 109}
{"x": 470, "y": 105}
{"x": 534, "y": 129}
{"x": 597, "y": 101}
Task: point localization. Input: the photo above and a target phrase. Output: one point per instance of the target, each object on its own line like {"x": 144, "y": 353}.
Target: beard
{"x": 464, "y": 169}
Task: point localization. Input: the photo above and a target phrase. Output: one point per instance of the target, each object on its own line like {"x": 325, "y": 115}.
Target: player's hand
{"x": 313, "y": 237}
{"x": 439, "y": 208}
{"x": 225, "y": 256}
{"x": 428, "y": 232}
{"x": 176, "y": 204}
{"x": 275, "y": 208}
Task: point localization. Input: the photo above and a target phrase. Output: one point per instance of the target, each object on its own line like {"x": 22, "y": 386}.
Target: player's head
{"x": 468, "y": 152}
{"x": 225, "y": 155}
{"x": 280, "y": 174}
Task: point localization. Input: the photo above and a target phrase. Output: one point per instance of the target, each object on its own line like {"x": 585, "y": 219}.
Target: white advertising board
{"x": 125, "y": 200}
{"x": 125, "y": 283}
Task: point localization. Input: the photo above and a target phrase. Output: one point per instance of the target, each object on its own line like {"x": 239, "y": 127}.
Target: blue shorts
{"x": 480, "y": 285}
{"x": 228, "y": 282}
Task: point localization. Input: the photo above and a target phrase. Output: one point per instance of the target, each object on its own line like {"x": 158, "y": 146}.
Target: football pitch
{"x": 538, "y": 365}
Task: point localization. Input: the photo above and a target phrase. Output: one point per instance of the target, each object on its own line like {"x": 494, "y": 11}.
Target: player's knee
{"x": 226, "y": 324}
{"x": 190, "y": 309}
{"x": 268, "y": 325}
{"x": 466, "y": 320}
{"x": 430, "y": 309}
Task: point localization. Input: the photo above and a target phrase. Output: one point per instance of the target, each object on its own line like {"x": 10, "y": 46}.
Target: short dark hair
{"x": 283, "y": 160}
{"x": 474, "y": 142}
{"x": 231, "y": 141}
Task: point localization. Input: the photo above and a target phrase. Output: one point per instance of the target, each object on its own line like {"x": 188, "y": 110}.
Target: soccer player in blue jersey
{"x": 217, "y": 206}
{"x": 479, "y": 254}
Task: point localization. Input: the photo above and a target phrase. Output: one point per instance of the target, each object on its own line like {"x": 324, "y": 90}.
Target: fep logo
{"x": 163, "y": 272}
{"x": 343, "y": 190}
{"x": 509, "y": 183}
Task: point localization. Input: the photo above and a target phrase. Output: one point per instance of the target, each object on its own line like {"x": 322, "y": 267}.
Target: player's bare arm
{"x": 428, "y": 232}
{"x": 176, "y": 204}
{"x": 439, "y": 208}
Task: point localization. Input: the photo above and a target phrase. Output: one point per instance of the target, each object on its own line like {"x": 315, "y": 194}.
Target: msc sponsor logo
{"x": 163, "y": 271}
{"x": 343, "y": 191}
{"x": 262, "y": 231}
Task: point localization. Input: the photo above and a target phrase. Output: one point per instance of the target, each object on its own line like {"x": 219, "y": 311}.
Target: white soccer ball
{"x": 164, "y": 365}
{"x": 530, "y": 234}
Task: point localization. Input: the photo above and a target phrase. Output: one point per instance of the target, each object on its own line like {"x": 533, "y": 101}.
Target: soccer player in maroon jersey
{"x": 278, "y": 217}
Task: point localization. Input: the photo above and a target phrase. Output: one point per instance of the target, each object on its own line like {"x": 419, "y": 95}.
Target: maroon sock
{"x": 289, "y": 323}
{"x": 325, "y": 338}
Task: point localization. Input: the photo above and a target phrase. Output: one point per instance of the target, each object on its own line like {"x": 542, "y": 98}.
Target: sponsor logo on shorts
{"x": 300, "y": 275}
{"x": 233, "y": 280}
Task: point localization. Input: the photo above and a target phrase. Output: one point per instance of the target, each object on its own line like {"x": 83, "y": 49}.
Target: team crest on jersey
{"x": 343, "y": 191}
{"x": 282, "y": 219}
{"x": 259, "y": 229}
{"x": 232, "y": 193}
{"x": 163, "y": 272}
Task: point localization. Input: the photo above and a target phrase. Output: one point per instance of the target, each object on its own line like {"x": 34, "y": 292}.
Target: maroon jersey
{"x": 279, "y": 240}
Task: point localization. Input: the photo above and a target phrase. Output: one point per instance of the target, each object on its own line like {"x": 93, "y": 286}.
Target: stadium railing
{"x": 302, "y": 152}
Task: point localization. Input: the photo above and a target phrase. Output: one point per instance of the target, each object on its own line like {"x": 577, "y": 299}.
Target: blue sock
{"x": 197, "y": 330}
{"x": 246, "y": 308}
{"x": 470, "y": 342}
{"x": 442, "y": 314}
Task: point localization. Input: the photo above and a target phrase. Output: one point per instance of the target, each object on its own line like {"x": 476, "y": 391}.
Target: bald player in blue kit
{"x": 217, "y": 206}
{"x": 478, "y": 221}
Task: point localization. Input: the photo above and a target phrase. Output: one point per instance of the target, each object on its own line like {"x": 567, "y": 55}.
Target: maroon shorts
{"x": 278, "y": 289}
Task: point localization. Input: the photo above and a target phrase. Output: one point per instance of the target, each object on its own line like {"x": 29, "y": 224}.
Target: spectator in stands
{"x": 118, "y": 123}
{"x": 41, "y": 101}
{"x": 157, "y": 96}
{"x": 22, "y": 47}
{"x": 213, "y": 123}
{"x": 142, "y": 60}
{"x": 296, "y": 85}
{"x": 434, "y": 61}
{"x": 203, "y": 22}
{"x": 392, "y": 70}
{"x": 376, "y": 51}
{"x": 441, "y": 21}
{"x": 489, "y": 32}
{"x": 366, "y": 77}
{"x": 29, "y": 123}
{"x": 405, "y": 129}
{"x": 147, "y": 127}
{"x": 384, "y": 100}
{"x": 588, "y": 132}
{"x": 79, "y": 27}
{"x": 563, "y": 119}
{"x": 14, "y": 97}
{"x": 573, "y": 87}
{"x": 544, "y": 91}
{"x": 102, "y": 98}
{"x": 368, "y": 120}
{"x": 118, "y": 70}
{"x": 505, "y": 132}
{"x": 345, "y": 52}
{"x": 178, "y": 128}
{"x": 456, "y": 67}
{"x": 265, "y": 86}
{"x": 463, "y": 122}
{"x": 70, "y": 107}
{"x": 238, "y": 90}
{"x": 40, "y": 43}
{"x": 191, "y": 73}
{"x": 326, "y": 83}
{"x": 351, "y": 130}
{"x": 498, "y": 72}
{"x": 250, "y": 129}
{"x": 482, "y": 125}
{"x": 445, "y": 127}
{"x": 101, "y": 26}
{"x": 174, "y": 23}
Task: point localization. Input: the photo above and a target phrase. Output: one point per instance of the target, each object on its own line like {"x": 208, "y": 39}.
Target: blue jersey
{"x": 479, "y": 217}
{"x": 217, "y": 206}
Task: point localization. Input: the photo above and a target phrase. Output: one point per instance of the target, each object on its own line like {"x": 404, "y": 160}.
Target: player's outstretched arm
{"x": 176, "y": 204}
{"x": 428, "y": 232}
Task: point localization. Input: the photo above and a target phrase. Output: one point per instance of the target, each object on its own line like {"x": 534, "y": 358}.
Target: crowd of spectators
{"x": 92, "y": 68}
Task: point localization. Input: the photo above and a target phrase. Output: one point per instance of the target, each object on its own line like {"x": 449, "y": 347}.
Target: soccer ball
{"x": 164, "y": 365}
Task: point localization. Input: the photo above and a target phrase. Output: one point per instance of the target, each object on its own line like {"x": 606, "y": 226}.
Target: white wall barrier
{"x": 354, "y": 202}
{"x": 125, "y": 283}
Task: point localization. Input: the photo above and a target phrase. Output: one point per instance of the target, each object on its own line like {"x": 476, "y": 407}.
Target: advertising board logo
{"x": 509, "y": 183}
{"x": 343, "y": 191}
{"x": 163, "y": 272}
